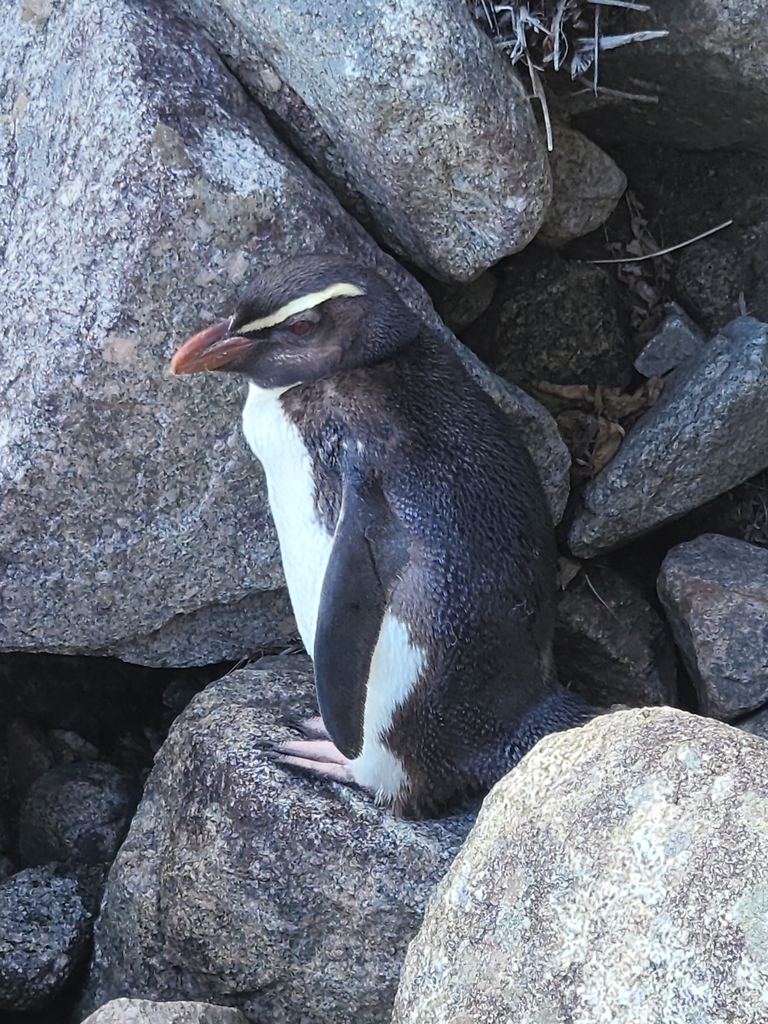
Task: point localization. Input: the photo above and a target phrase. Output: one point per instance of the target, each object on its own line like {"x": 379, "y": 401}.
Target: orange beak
{"x": 208, "y": 350}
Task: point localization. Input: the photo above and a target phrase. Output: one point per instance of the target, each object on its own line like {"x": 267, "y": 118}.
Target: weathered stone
{"x": 421, "y": 118}
{"x": 676, "y": 340}
{"x": 77, "y": 812}
{"x": 555, "y": 320}
{"x": 610, "y": 644}
{"x": 618, "y": 873}
{"x": 586, "y": 187}
{"x": 756, "y": 724}
{"x": 133, "y": 519}
{"x": 44, "y": 931}
{"x": 708, "y": 75}
{"x": 29, "y": 755}
{"x": 459, "y": 305}
{"x": 719, "y": 277}
{"x": 715, "y": 592}
{"x": 243, "y": 882}
{"x": 144, "y": 1011}
{"x": 700, "y": 439}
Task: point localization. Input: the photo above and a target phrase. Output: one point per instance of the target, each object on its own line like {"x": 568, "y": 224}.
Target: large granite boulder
{"x": 417, "y": 120}
{"x": 244, "y": 884}
{"x": 617, "y": 874}
{"x": 141, "y": 188}
{"x": 708, "y": 75}
{"x": 181, "y": 1011}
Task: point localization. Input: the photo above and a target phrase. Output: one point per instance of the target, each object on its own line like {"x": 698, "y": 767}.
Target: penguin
{"x": 416, "y": 541}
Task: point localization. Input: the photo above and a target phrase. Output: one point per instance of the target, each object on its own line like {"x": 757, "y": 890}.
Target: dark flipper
{"x": 370, "y": 549}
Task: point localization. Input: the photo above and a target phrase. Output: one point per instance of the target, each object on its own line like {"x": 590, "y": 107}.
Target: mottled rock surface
{"x": 715, "y": 592}
{"x": 719, "y": 277}
{"x": 421, "y": 118}
{"x": 44, "y": 931}
{"x": 708, "y": 75}
{"x": 77, "y": 812}
{"x": 617, "y": 874}
{"x": 586, "y": 186}
{"x": 555, "y": 320}
{"x": 133, "y": 520}
{"x": 700, "y": 439}
{"x": 144, "y": 1011}
{"x": 242, "y": 883}
{"x": 611, "y": 646}
{"x": 676, "y": 340}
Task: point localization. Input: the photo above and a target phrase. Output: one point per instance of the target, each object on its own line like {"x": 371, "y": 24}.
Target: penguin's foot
{"x": 316, "y": 757}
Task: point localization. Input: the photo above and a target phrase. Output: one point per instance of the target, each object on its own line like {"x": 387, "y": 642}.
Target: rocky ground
{"x": 139, "y": 563}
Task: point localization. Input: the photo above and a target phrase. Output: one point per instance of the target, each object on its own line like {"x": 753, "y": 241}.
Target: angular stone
{"x": 420, "y": 120}
{"x": 144, "y": 1011}
{"x": 586, "y": 187}
{"x": 611, "y": 646}
{"x": 715, "y": 592}
{"x": 617, "y": 874}
{"x": 241, "y": 881}
{"x": 676, "y": 340}
{"x": 700, "y": 439}
{"x": 140, "y": 187}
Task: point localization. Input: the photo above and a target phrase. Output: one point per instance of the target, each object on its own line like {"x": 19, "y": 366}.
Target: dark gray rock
{"x": 555, "y": 320}
{"x": 756, "y": 724}
{"x": 420, "y": 118}
{"x": 715, "y": 593}
{"x": 288, "y": 897}
{"x": 725, "y": 47}
{"x": 133, "y": 519}
{"x": 701, "y": 438}
{"x": 611, "y": 645}
{"x": 77, "y": 812}
{"x": 586, "y": 187}
{"x": 618, "y": 873}
{"x": 677, "y": 340}
{"x": 144, "y": 1011}
{"x": 29, "y": 755}
{"x": 44, "y": 931}
{"x": 720, "y": 277}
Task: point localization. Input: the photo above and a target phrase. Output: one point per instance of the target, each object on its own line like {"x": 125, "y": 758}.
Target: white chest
{"x": 305, "y": 546}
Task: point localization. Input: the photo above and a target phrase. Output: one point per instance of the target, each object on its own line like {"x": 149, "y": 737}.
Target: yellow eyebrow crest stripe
{"x": 301, "y": 305}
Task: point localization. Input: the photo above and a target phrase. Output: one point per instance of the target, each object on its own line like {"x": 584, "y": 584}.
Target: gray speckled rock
{"x": 617, "y": 874}
{"x": 44, "y": 931}
{"x": 611, "y": 646}
{"x": 586, "y": 187}
{"x": 144, "y": 1011}
{"x": 556, "y": 320}
{"x": 715, "y": 592}
{"x": 78, "y": 812}
{"x": 677, "y": 340}
{"x": 722, "y": 45}
{"x": 139, "y": 188}
{"x": 420, "y": 117}
{"x": 240, "y": 882}
{"x": 703, "y": 436}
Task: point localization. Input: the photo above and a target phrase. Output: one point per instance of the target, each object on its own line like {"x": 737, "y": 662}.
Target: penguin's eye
{"x": 300, "y": 326}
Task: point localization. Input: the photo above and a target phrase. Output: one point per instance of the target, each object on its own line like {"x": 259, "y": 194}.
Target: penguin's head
{"x": 302, "y": 320}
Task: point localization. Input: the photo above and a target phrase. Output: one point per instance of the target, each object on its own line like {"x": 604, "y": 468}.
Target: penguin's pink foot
{"x": 316, "y": 757}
